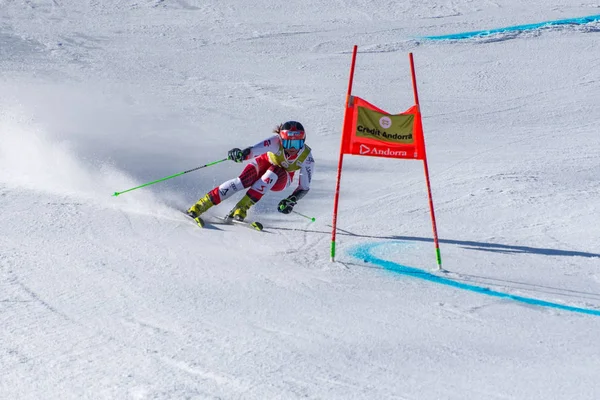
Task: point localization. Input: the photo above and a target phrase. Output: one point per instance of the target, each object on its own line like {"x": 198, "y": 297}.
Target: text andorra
{"x": 380, "y": 152}
{"x": 384, "y": 134}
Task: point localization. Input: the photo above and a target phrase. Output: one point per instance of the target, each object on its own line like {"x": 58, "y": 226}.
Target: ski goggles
{"x": 292, "y": 143}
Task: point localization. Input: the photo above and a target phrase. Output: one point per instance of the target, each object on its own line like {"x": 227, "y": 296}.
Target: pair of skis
{"x": 257, "y": 226}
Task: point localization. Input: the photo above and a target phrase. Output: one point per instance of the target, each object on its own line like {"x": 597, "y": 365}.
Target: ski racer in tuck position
{"x": 275, "y": 160}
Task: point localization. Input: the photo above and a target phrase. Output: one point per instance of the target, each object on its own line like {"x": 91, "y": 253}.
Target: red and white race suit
{"x": 269, "y": 169}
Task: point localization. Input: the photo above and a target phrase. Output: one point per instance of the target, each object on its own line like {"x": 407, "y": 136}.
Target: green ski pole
{"x": 169, "y": 177}
{"x": 305, "y": 216}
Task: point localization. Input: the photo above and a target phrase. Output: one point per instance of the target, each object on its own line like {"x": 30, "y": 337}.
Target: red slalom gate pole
{"x": 426, "y": 168}
{"x": 341, "y": 159}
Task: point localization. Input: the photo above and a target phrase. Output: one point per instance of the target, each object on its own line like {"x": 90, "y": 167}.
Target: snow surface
{"x": 105, "y": 297}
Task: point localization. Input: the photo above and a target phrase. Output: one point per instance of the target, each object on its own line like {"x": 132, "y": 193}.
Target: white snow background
{"x": 105, "y": 297}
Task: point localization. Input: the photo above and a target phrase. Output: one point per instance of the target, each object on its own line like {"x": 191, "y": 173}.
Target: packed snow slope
{"x": 105, "y": 297}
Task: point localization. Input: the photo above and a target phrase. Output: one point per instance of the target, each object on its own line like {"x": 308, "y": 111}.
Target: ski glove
{"x": 238, "y": 155}
{"x": 287, "y": 205}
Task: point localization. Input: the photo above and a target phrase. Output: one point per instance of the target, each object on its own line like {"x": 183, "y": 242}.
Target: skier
{"x": 274, "y": 163}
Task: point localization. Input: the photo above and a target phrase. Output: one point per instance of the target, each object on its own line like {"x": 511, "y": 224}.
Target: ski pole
{"x": 312, "y": 219}
{"x": 169, "y": 177}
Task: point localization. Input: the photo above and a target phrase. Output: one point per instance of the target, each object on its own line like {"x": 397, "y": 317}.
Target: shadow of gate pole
{"x": 467, "y": 244}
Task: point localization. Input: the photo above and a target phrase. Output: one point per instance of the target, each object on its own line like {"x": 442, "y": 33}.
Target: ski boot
{"x": 200, "y": 207}
{"x": 240, "y": 210}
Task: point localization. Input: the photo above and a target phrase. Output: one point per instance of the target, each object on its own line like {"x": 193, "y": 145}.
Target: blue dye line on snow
{"x": 363, "y": 252}
{"x": 517, "y": 28}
